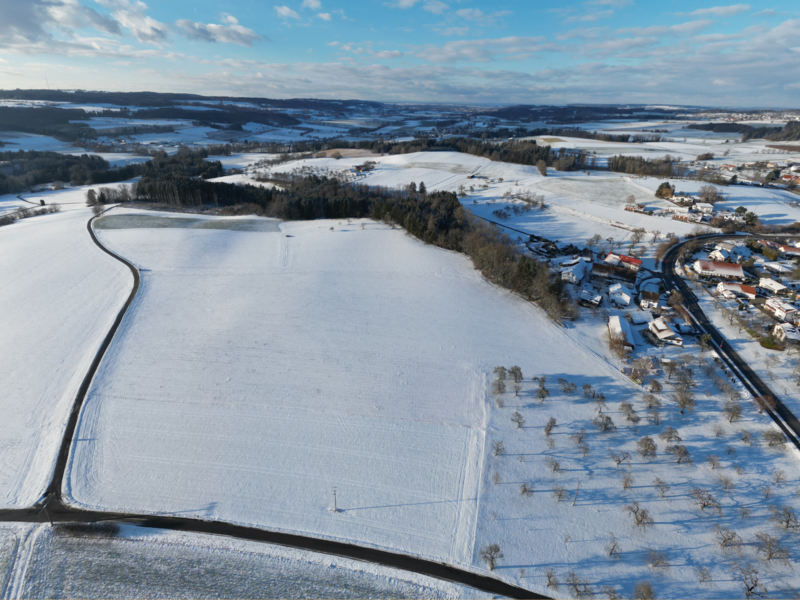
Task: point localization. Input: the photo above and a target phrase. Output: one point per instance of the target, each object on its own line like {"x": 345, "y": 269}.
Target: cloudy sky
{"x": 466, "y": 51}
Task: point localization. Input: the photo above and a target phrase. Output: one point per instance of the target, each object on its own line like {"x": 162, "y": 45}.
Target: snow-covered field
{"x": 360, "y": 359}
{"x": 58, "y": 298}
{"x": 83, "y": 562}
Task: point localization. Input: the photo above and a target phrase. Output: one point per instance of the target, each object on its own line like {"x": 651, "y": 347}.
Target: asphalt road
{"x": 53, "y": 509}
{"x": 784, "y": 418}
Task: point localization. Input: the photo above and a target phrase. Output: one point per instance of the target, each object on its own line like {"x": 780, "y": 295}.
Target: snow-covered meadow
{"x": 58, "y": 298}
{"x": 132, "y": 562}
{"x": 258, "y": 371}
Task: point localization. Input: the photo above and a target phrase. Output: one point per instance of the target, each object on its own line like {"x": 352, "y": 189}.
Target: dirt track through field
{"x": 52, "y": 507}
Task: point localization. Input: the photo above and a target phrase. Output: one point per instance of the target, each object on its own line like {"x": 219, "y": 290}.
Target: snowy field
{"x": 254, "y": 413}
{"x": 59, "y": 296}
{"x": 80, "y": 562}
{"x": 396, "y": 409}
{"x": 579, "y": 205}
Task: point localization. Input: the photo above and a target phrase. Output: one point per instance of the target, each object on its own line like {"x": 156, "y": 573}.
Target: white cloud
{"x": 435, "y": 6}
{"x": 312, "y": 4}
{"x": 324, "y": 16}
{"x": 232, "y": 33}
{"x": 131, "y": 15}
{"x": 470, "y": 14}
{"x": 388, "y": 54}
{"x": 286, "y": 12}
{"x": 590, "y": 17}
{"x": 485, "y": 50}
{"x": 459, "y": 31}
{"x": 404, "y": 3}
{"x": 721, "y": 11}
{"x": 334, "y": 43}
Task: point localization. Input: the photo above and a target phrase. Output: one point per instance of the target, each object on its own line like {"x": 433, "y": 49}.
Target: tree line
{"x": 788, "y": 133}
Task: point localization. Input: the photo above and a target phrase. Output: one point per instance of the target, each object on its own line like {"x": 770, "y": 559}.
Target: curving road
{"x": 52, "y": 507}
{"x": 782, "y": 416}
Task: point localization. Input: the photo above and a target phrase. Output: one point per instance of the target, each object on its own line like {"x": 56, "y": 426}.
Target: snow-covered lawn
{"x": 85, "y": 562}
{"x": 258, "y": 371}
{"x": 58, "y": 298}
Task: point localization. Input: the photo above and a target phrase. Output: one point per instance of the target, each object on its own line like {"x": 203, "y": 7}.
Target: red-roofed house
{"x": 730, "y": 290}
{"x": 719, "y": 269}
{"x": 620, "y": 260}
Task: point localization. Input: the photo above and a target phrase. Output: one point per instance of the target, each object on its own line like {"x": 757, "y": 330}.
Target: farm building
{"x": 649, "y": 295}
{"x": 778, "y": 268}
{"x": 718, "y": 269}
{"x": 575, "y": 271}
{"x": 727, "y": 289}
{"x": 617, "y": 328}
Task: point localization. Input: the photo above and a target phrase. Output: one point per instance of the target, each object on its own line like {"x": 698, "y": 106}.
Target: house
{"x": 727, "y": 289}
{"x": 690, "y": 218}
{"x": 718, "y": 269}
{"x": 704, "y": 207}
{"x": 618, "y": 328}
{"x": 787, "y": 333}
{"x": 602, "y": 270}
{"x": 719, "y": 255}
{"x": 777, "y": 268}
{"x": 638, "y": 208}
{"x": 649, "y": 296}
{"x": 619, "y": 295}
{"x": 788, "y": 251}
{"x": 590, "y": 299}
{"x": 640, "y": 317}
{"x": 575, "y": 271}
{"x": 661, "y": 329}
{"x": 779, "y": 309}
{"x": 772, "y": 285}
{"x": 620, "y": 260}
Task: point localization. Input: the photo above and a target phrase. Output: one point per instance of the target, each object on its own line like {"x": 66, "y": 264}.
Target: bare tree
{"x": 621, "y": 457}
{"x": 703, "y": 574}
{"x": 680, "y": 453}
{"x": 651, "y": 401}
{"x": 718, "y": 430}
{"x": 684, "y": 399}
{"x": 705, "y": 500}
{"x": 765, "y": 403}
{"x": 747, "y": 437}
{"x": 498, "y": 387}
{"x": 498, "y": 448}
{"x": 613, "y": 547}
{"x": 627, "y": 480}
{"x": 780, "y": 476}
{"x": 784, "y": 516}
{"x": 553, "y": 464}
{"x": 713, "y": 461}
{"x": 501, "y": 373}
{"x": 657, "y": 560}
{"x": 552, "y": 578}
{"x": 727, "y": 538}
{"x": 610, "y": 593}
{"x": 549, "y": 427}
{"x": 526, "y": 489}
{"x": 578, "y": 437}
{"x": 733, "y": 411}
{"x": 670, "y": 435}
{"x": 644, "y": 591}
{"x": 630, "y": 414}
{"x": 580, "y": 587}
{"x": 567, "y": 386}
{"x": 770, "y": 547}
{"x": 662, "y": 487}
{"x": 655, "y": 386}
{"x": 542, "y": 393}
{"x": 587, "y": 391}
{"x": 516, "y": 373}
{"x": 560, "y": 493}
{"x": 646, "y": 447}
{"x": 749, "y": 577}
{"x": 600, "y": 401}
{"x": 604, "y": 423}
{"x": 640, "y": 515}
{"x": 490, "y": 555}
{"x": 518, "y": 419}
{"x": 496, "y": 478}
{"x": 726, "y": 483}
{"x": 775, "y": 439}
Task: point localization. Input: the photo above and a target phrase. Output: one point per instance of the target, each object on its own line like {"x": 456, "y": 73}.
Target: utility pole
{"x": 335, "y": 506}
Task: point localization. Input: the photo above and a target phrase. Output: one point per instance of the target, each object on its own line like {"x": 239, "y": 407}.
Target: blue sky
{"x": 465, "y": 51}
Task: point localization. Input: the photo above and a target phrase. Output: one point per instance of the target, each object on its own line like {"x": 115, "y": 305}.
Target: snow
{"x": 15, "y": 141}
{"x": 381, "y": 390}
{"x": 59, "y": 296}
{"x": 152, "y": 563}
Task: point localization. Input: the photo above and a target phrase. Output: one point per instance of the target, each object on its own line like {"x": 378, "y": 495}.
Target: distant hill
{"x": 577, "y": 114}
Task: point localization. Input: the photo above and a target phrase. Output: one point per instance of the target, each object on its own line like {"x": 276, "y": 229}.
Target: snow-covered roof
{"x": 662, "y": 330}
{"x": 639, "y": 317}
{"x": 719, "y": 268}
{"x": 616, "y": 259}
{"x": 618, "y": 288}
{"x": 790, "y": 332}
{"x": 737, "y": 289}
{"x": 771, "y": 285}
{"x": 777, "y": 267}
{"x": 619, "y": 328}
